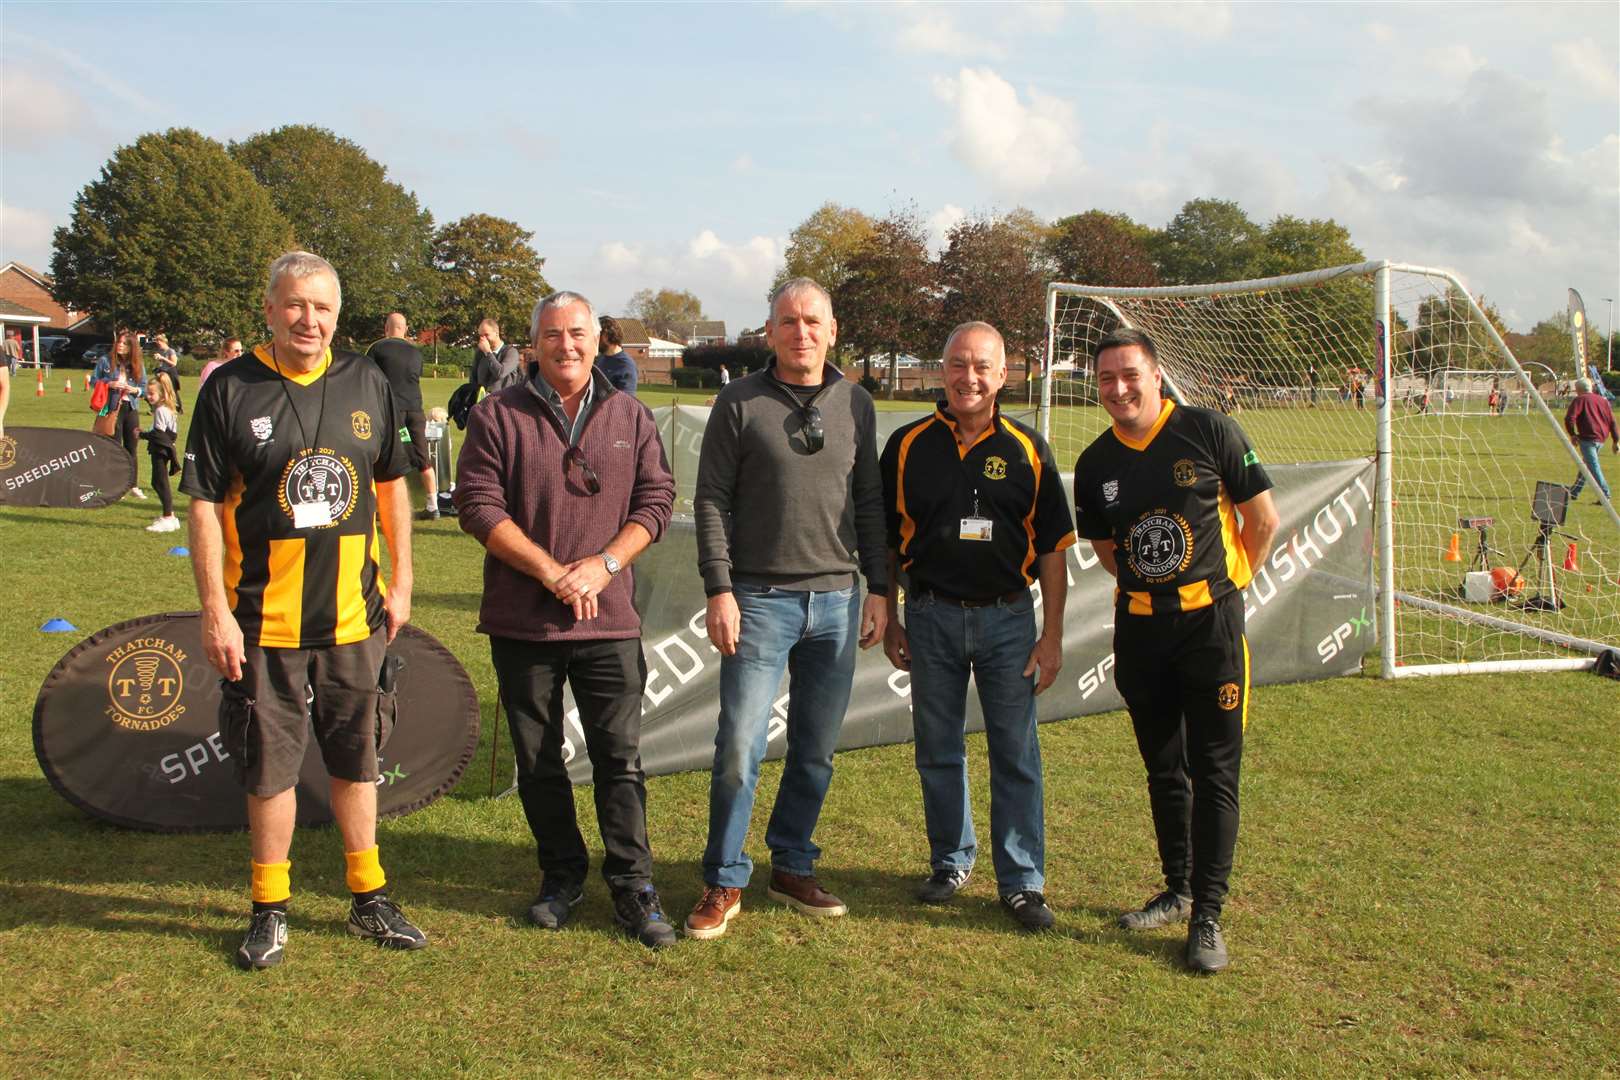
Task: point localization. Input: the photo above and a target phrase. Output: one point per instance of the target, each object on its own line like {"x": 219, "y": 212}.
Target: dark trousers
{"x": 1185, "y": 679}
{"x": 127, "y": 428}
{"x": 160, "y": 483}
{"x": 607, "y": 678}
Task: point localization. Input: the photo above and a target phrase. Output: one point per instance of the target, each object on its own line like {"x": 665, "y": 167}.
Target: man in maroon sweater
{"x": 1590, "y": 421}
{"x": 563, "y": 479}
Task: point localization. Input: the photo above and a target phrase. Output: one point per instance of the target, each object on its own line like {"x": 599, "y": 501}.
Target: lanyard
{"x": 320, "y": 417}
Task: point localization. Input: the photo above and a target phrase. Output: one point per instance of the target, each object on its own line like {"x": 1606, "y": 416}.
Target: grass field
{"x": 1425, "y": 886}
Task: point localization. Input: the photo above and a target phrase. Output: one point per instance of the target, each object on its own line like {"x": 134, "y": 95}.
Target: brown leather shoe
{"x": 804, "y": 893}
{"x": 714, "y": 912}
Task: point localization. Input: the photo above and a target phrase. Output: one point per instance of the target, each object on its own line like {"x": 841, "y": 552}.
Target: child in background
{"x": 160, "y": 440}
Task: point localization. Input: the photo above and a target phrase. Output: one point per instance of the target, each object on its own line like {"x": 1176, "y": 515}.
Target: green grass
{"x": 1424, "y": 887}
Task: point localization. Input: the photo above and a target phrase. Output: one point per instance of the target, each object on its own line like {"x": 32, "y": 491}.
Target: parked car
{"x": 48, "y": 346}
{"x": 97, "y": 352}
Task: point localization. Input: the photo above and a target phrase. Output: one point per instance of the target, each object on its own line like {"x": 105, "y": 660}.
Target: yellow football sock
{"x": 365, "y": 872}
{"x": 272, "y": 882}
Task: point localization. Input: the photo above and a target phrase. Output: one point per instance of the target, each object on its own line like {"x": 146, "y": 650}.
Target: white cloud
{"x": 941, "y": 222}
{"x": 34, "y": 109}
{"x": 618, "y": 255}
{"x": 929, "y": 29}
{"x": 27, "y": 234}
{"x": 1194, "y": 18}
{"x": 1592, "y": 68}
{"x": 730, "y": 277}
{"x": 1452, "y": 62}
{"x": 1016, "y": 147}
{"x": 742, "y": 163}
{"x": 85, "y": 68}
{"x": 1382, "y": 33}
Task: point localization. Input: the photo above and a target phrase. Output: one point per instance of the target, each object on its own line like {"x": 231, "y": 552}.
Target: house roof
{"x": 28, "y": 271}
{"x": 662, "y": 345}
{"x": 11, "y": 311}
{"x": 707, "y": 328}
{"x": 631, "y": 330}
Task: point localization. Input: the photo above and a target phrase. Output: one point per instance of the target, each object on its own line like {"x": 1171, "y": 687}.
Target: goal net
{"x": 1396, "y": 363}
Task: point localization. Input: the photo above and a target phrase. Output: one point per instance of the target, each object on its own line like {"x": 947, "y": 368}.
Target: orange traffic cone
{"x": 67, "y": 386}
{"x": 39, "y": 386}
{"x": 1569, "y": 558}
{"x": 87, "y": 383}
{"x": 1454, "y": 551}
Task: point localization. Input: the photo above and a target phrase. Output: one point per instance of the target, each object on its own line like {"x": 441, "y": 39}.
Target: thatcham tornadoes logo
{"x": 145, "y": 683}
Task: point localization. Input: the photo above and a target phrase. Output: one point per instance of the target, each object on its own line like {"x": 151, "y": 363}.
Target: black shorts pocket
{"x": 236, "y": 729}
{"x": 387, "y": 697}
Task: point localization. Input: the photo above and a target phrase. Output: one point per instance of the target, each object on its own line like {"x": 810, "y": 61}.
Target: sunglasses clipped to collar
{"x": 575, "y": 456}
{"x": 811, "y": 429}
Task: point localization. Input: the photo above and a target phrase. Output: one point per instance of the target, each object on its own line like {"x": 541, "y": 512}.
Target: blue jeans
{"x": 1590, "y": 453}
{"x": 946, "y": 642}
{"x": 813, "y": 635}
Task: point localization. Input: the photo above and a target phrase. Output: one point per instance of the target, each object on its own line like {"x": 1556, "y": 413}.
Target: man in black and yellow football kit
{"x": 401, "y": 364}
{"x": 292, "y": 463}
{"x": 1158, "y": 495}
{"x": 976, "y": 511}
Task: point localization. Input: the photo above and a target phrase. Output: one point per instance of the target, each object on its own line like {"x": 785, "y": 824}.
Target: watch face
{"x": 610, "y": 562}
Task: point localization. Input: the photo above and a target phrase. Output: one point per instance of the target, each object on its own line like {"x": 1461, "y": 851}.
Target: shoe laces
{"x": 714, "y": 896}
{"x": 1206, "y": 929}
{"x": 1028, "y": 896}
{"x": 262, "y": 928}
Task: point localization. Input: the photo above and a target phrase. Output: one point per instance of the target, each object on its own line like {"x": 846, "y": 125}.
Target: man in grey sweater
{"x": 789, "y": 508}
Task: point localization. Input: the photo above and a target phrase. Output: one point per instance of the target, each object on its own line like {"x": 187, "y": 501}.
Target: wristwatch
{"x": 612, "y": 564}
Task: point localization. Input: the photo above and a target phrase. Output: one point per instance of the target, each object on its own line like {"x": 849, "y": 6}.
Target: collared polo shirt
{"x": 931, "y": 483}
{"x": 549, "y": 395}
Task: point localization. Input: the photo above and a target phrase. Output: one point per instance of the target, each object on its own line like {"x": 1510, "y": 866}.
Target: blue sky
{"x": 679, "y": 144}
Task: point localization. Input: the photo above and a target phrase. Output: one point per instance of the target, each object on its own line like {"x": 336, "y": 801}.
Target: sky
{"x": 678, "y": 145}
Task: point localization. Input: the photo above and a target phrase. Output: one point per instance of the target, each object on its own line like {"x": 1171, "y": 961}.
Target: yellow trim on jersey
{"x": 282, "y": 621}
{"x": 1034, "y": 502}
{"x": 963, "y": 451}
{"x": 233, "y": 540}
{"x": 351, "y": 601}
{"x": 1245, "y": 638}
{"x": 1237, "y": 559}
{"x": 1158, "y": 425}
{"x": 1141, "y": 603}
{"x": 908, "y": 527}
{"x": 302, "y": 378}
{"x": 1195, "y": 596}
{"x": 1067, "y": 542}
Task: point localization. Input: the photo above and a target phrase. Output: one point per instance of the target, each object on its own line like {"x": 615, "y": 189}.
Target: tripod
{"x": 1484, "y": 551}
{"x": 1541, "y": 551}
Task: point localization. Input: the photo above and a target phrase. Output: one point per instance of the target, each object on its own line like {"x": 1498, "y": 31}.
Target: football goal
{"x": 1397, "y": 364}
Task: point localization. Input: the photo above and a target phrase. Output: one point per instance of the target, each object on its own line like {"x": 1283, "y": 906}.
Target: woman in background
{"x": 160, "y": 440}
{"x": 122, "y": 374}
{"x": 228, "y": 351}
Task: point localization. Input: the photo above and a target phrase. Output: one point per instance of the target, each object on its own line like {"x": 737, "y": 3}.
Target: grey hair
{"x": 1584, "y": 385}
{"x": 300, "y": 264}
{"x": 556, "y": 300}
{"x": 982, "y": 327}
{"x": 798, "y": 285}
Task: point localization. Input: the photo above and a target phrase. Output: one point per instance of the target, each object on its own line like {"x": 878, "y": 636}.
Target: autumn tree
{"x": 487, "y": 270}
{"x": 888, "y": 301}
{"x": 173, "y": 237}
{"x": 344, "y": 208}
{"x": 1292, "y": 245}
{"x": 822, "y": 245}
{"x": 995, "y": 269}
{"x": 1100, "y": 248}
{"x": 667, "y": 311}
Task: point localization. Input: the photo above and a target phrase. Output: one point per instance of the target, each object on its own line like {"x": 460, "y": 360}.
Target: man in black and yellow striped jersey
{"x": 1178, "y": 507}
{"x": 296, "y": 455}
{"x": 976, "y": 513}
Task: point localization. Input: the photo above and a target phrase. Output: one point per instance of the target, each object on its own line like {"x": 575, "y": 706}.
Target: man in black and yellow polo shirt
{"x": 295, "y": 456}
{"x": 1159, "y": 496}
{"x": 976, "y": 513}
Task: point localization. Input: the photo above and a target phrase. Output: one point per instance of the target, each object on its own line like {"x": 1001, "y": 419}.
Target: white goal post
{"x": 1336, "y": 364}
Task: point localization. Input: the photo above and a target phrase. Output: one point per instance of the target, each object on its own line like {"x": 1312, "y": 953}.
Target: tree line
{"x": 176, "y": 232}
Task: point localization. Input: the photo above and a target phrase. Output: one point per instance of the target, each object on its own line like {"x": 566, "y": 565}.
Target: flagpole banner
{"x": 126, "y": 727}
{"x": 62, "y": 469}
{"x": 1577, "y": 333}
{"x": 1309, "y": 612}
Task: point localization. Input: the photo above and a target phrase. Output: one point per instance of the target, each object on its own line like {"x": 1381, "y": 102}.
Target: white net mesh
{"x": 1296, "y": 360}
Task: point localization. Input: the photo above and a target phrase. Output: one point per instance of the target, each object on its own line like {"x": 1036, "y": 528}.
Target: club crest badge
{"x": 1160, "y": 546}
{"x": 1227, "y": 696}
{"x": 8, "y": 451}
{"x": 1111, "y": 491}
{"x": 260, "y": 426}
{"x": 144, "y": 684}
{"x": 1184, "y": 474}
{"x": 319, "y": 477}
{"x": 995, "y": 468}
{"x": 360, "y": 420}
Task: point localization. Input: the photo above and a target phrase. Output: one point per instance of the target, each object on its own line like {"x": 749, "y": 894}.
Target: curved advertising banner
{"x": 62, "y": 468}
{"x": 126, "y": 727}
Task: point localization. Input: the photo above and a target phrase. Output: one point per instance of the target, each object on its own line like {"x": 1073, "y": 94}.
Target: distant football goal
{"x": 1398, "y": 364}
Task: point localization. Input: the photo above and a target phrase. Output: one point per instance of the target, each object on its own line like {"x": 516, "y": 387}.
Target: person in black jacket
{"x": 160, "y": 445}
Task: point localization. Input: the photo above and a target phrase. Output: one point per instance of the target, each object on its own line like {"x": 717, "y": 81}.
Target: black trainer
{"x": 551, "y": 909}
{"x": 1029, "y": 910}
{"x": 639, "y": 914}
{"x": 943, "y": 884}
{"x": 380, "y": 920}
{"x": 1162, "y": 910}
{"x": 428, "y": 513}
{"x": 1206, "y": 947}
{"x": 265, "y": 941}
